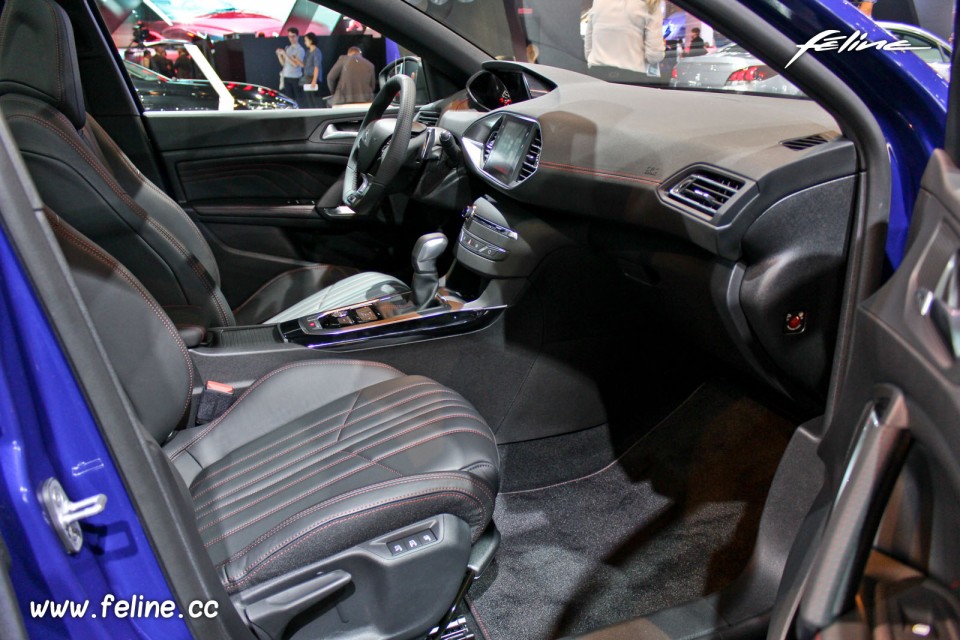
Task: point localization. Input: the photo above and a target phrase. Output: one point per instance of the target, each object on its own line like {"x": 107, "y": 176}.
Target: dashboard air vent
{"x": 532, "y": 160}
{"x": 488, "y": 145}
{"x": 428, "y": 116}
{"x": 706, "y": 191}
{"x": 799, "y": 144}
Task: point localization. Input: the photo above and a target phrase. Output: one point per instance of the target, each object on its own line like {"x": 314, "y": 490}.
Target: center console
{"x": 501, "y": 246}
{"x": 391, "y": 318}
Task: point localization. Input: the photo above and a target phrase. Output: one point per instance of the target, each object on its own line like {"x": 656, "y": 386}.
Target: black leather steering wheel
{"x": 383, "y": 139}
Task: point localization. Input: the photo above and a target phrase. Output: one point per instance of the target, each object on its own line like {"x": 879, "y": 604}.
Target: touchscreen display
{"x": 506, "y": 154}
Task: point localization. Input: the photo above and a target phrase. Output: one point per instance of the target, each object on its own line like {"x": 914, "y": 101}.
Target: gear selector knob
{"x": 428, "y": 248}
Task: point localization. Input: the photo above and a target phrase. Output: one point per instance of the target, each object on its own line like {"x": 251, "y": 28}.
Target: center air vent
{"x": 532, "y": 159}
{"x": 428, "y": 116}
{"x": 706, "y": 191}
{"x": 488, "y": 146}
{"x": 799, "y": 144}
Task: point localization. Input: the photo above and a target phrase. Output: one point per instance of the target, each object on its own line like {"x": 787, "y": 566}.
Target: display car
{"x": 160, "y": 93}
{"x": 519, "y": 350}
{"x": 733, "y": 68}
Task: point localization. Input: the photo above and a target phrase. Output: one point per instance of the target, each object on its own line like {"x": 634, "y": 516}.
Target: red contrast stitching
{"x": 468, "y": 416}
{"x": 602, "y": 173}
{"x": 194, "y": 263}
{"x": 117, "y": 268}
{"x": 256, "y": 384}
{"x": 266, "y": 560}
{"x": 273, "y": 472}
{"x": 346, "y": 496}
{"x": 312, "y": 426}
{"x": 299, "y": 479}
{"x": 137, "y": 173}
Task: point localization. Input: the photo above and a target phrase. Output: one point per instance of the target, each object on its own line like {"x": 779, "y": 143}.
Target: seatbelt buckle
{"x": 214, "y": 401}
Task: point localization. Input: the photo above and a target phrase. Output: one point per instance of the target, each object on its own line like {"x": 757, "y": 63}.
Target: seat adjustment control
{"x": 411, "y": 542}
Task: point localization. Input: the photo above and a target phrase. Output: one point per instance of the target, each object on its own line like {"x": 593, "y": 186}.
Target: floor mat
{"x": 674, "y": 518}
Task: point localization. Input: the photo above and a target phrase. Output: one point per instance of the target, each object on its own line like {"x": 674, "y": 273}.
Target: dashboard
{"x": 730, "y": 211}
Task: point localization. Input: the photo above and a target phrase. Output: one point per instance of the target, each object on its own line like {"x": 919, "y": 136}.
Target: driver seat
{"x": 79, "y": 170}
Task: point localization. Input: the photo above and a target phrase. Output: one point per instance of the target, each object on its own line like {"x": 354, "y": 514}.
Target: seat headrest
{"x": 38, "y": 57}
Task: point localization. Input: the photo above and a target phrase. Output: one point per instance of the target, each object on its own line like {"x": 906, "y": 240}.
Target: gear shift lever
{"x": 428, "y": 248}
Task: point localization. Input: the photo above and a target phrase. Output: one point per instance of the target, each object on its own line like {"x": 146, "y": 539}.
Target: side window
{"x": 187, "y": 55}
{"x": 929, "y": 55}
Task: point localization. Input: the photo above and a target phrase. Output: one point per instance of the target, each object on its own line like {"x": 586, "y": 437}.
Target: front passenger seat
{"x": 322, "y": 468}
{"x": 81, "y": 172}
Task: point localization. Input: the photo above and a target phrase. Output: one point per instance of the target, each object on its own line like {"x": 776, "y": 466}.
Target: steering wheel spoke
{"x": 380, "y": 147}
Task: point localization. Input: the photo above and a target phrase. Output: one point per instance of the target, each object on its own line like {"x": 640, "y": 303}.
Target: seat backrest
{"x": 142, "y": 344}
{"x": 82, "y": 174}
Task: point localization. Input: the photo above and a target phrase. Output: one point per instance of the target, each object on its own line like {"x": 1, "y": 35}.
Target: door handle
{"x": 942, "y": 306}
{"x": 333, "y": 132}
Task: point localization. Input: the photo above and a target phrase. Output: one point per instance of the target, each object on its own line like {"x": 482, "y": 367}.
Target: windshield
{"x": 650, "y": 42}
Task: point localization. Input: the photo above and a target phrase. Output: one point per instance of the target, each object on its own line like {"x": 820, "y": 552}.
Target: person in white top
{"x": 627, "y": 34}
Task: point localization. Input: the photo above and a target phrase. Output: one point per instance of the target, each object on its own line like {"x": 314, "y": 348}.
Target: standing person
{"x": 626, "y": 34}
{"x": 292, "y": 60}
{"x": 697, "y": 46}
{"x": 161, "y": 63}
{"x": 184, "y": 66}
{"x": 352, "y": 78}
{"x": 312, "y": 64}
{"x": 146, "y": 60}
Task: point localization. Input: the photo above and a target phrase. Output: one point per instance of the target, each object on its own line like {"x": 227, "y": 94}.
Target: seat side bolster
{"x": 133, "y": 329}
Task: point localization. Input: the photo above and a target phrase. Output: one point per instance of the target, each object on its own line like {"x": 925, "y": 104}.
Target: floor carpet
{"x": 673, "y": 518}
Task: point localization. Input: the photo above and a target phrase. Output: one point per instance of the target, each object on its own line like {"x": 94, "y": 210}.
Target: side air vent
{"x": 532, "y": 160}
{"x": 799, "y": 144}
{"x": 706, "y": 191}
{"x": 488, "y": 146}
{"x": 428, "y": 116}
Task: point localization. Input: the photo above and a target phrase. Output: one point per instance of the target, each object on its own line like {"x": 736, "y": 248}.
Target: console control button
{"x": 481, "y": 247}
{"x": 366, "y": 314}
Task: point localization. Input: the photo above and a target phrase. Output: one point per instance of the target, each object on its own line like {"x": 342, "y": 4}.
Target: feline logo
{"x": 857, "y": 41}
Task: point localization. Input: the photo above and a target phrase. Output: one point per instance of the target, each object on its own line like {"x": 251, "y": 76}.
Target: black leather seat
{"x": 312, "y": 459}
{"x": 80, "y": 172}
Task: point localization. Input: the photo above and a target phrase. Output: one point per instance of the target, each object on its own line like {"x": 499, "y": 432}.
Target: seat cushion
{"x": 347, "y": 452}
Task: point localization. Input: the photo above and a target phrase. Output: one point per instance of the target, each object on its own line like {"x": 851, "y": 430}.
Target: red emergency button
{"x": 795, "y": 322}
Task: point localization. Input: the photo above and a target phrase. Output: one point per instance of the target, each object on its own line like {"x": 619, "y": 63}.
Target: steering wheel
{"x": 380, "y": 147}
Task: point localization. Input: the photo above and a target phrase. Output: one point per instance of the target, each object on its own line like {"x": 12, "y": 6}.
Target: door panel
{"x": 252, "y": 178}
{"x": 257, "y": 156}
{"x": 249, "y": 178}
